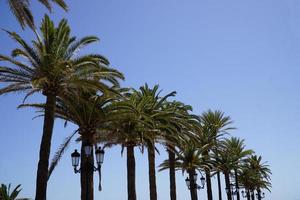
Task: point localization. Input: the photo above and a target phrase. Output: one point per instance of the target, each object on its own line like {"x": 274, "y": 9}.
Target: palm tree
{"x": 155, "y": 111}
{"x": 174, "y": 129}
{"x": 90, "y": 113}
{"x": 129, "y": 123}
{"x": 53, "y": 68}
{"x": 224, "y": 163}
{"x": 21, "y": 10}
{"x": 189, "y": 159}
{"x": 255, "y": 175}
{"x": 5, "y": 193}
{"x": 238, "y": 155}
{"x": 213, "y": 125}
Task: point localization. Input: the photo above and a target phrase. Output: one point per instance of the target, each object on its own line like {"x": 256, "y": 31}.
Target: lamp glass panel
{"x": 99, "y": 156}
{"x": 187, "y": 181}
{"x": 195, "y": 177}
{"x": 202, "y": 179}
{"x": 75, "y": 158}
{"x": 88, "y": 150}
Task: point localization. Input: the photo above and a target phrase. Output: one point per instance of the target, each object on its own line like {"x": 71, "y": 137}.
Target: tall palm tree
{"x": 189, "y": 159}
{"x": 238, "y": 155}
{"x": 214, "y": 124}
{"x": 155, "y": 112}
{"x": 50, "y": 66}
{"x": 224, "y": 163}
{"x": 129, "y": 123}
{"x": 6, "y": 194}
{"x": 21, "y": 10}
{"x": 175, "y": 128}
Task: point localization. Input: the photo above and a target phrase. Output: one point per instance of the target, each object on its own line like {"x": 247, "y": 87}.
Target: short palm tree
{"x": 90, "y": 113}
{"x": 6, "y": 194}
{"x": 52, "y": 67}
{"x": 223, "y": 162}
{"x": 21, "y": 10}
{"x": 213, "y": 125}
{"x": 255, "y": 175}
{"x": 239, "y": 154}
{"x": 189, "y": 159}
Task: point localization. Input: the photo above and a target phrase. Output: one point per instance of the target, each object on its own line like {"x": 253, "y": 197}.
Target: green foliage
{"x": 21, "y": 10}
{"x": 7, "y": 194}
{"x": 255, "y": 175}
{"x": 52, "y": 65}
{"x": 190, "y": 157}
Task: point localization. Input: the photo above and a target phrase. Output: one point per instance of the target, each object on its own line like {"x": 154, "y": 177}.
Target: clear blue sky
{"x": 238, "y": 56}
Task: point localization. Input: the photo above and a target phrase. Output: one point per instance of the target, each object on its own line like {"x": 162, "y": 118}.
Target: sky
{"x": 241, "y": 57}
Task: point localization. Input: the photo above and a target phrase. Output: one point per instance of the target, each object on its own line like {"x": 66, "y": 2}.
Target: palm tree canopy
{"x": 89, "y": 112}
{"x": 255, "y": 174}
{"x": 236, "y": 148}
{"x": 51, "y": 65}
{"x": 21, "y": 10}
{"x": 189, "y": 157}
{"x": 214, "y": 124}
{"x": 177, "y": 122}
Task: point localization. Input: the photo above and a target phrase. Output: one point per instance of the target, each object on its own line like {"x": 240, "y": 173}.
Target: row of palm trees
{"x": 84, "y": 90}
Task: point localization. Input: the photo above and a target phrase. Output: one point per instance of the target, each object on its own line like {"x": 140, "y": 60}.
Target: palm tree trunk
{"x": 208, "y": 185}
{"x": 208, "y": 181}
{"x": 152, "y": 175}
{"x": 86, "y": 173}
{"x": 237, "y": 184}
{"x": 193, "y": 189}
{"x": 252, "y": 195}
{"x": 45, "y": 148}
{"x": 219, "y": 186}
{"x": 248, "y": 195}
{"x": 227, "y": 182}
{"x": 259, "y": 194}
{"x": 172, "y": 175}
{"x": 131, "y": 173}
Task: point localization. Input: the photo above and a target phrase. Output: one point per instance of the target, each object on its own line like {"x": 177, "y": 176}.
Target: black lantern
{"x": 75, "y": 158}
{"x": 99, "y": 156}
{"x": 188, "y": 182}
{"x": 202, "y": 180}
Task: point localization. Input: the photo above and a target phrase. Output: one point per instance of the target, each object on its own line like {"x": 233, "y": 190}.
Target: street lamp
{"x": 245, "y": 193}
{"x": 193, "y": 188}
{"x": 99, "y": 154}
{"x": 231, "y": 190}
{"x": 260, "y": 195}
{"x": 202, "y": 181}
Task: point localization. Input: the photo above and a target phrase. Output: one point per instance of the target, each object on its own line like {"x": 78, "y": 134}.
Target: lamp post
{"x": 232, "y": 191}
{"x": 246, "y": 194}
{"x": 99, "y": 153}
{"x": 192, "y": 185}
{"x": 260, "y": 195}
